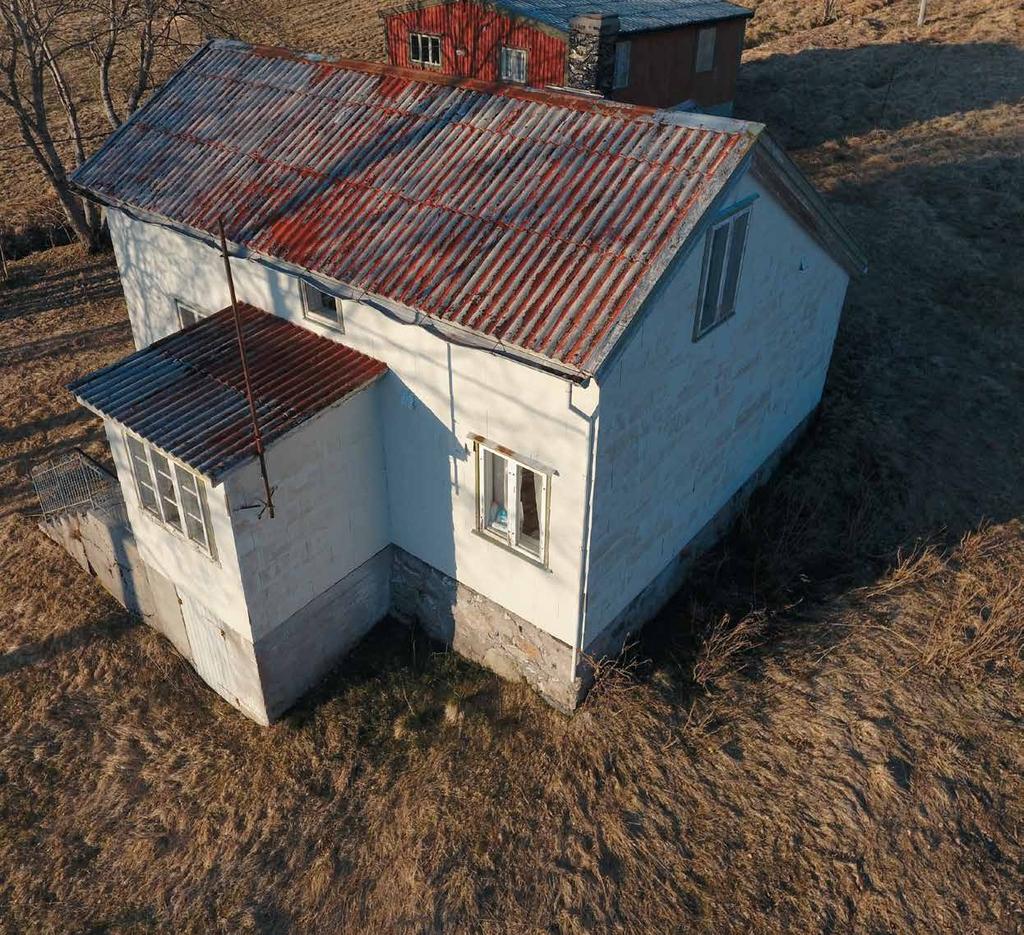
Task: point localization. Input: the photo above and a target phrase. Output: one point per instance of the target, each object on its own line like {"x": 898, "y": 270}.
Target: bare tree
{"x": 42, "y": 42}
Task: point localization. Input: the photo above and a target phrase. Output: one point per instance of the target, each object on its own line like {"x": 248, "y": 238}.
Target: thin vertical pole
{"x": 256, "y": 436}
{"x": 922, "y": 12}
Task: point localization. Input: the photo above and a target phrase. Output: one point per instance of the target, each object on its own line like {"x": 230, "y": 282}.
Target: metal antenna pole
{"x": 256, "y": 436}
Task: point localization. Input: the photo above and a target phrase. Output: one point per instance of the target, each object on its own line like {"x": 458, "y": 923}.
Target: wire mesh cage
{"x": 75, "y": 482}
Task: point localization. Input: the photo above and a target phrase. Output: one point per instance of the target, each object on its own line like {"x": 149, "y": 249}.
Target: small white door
{"x": 223, "y": 659}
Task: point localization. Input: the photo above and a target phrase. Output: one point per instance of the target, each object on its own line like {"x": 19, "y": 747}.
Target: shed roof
{"x": 634, "y": 15}
{"x": 185, "y": 393}
{"x": 538, "y": 219}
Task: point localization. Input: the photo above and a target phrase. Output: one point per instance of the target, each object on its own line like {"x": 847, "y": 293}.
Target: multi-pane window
{"x": 513, "y": 65}
{"x": 705, "y": 60}
{"x": 620, "y": 78}
{"x": 322, "y": 307}
{"x": 170, "y": 492}
{"x": 512, "y": 502}
{"x": 723, "y": 255}
{"x": 424, "y": 49}
{"x": 188, "y": 314}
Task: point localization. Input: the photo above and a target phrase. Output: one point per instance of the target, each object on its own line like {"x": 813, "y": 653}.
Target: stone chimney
{"x": 590, "y": 56}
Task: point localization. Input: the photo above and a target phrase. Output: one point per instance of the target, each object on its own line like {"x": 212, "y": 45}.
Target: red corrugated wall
{"x": 471, "y": 36}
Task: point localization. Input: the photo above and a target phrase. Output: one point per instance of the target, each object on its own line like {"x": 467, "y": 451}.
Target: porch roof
{"x": 185, "y": 394}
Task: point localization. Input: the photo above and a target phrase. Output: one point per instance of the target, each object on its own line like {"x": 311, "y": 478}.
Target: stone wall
{"x": 477, "y": 628}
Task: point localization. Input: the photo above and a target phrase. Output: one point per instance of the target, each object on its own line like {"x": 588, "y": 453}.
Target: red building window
{"x": 424, "y": 49}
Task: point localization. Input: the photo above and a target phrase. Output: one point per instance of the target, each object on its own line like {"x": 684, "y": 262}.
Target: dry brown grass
{"x": 856, "y": 762}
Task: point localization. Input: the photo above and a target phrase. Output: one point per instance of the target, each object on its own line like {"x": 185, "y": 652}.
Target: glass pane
{"x": 414, "y": 47}
{"x": 188, "y": 487}
{"x": 148, "y": 497}
{"x": 531, "y": 510}
{"x": 732, "y": 272}
{"x": 435, "y": 50}
{"x": 165, "y": 487}
{"x": 495, "y": 508}
{"x": 135, "y": 448}
{"x": 713, "y": 282}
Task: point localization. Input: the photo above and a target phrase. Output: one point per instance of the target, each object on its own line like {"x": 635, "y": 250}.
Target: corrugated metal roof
{"x": 185, "y": 394}
{"x": 634, "y": 15}
{"x": 538, "y": 219}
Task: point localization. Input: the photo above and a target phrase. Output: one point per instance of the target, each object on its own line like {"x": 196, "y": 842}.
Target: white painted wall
{"x": 435, "y": 396}
{"x": 215, "y": 581}
{"x": 683, "y": 424}
{"x": 330, "y": 510}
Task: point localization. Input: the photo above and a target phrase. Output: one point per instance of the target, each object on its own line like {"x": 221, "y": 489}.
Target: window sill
{"x": 505, "y": 547}
{"x": 323, "y": 321}
{"x": 697, "y": 336}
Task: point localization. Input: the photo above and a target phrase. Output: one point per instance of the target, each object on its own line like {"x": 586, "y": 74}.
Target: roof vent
{"x": 590, "y": 58}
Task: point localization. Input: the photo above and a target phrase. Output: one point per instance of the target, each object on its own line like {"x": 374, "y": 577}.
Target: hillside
{"x": 824, "y": 732}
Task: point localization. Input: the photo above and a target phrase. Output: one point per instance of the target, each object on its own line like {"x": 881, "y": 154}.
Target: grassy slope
{"x": 855, "y": 759}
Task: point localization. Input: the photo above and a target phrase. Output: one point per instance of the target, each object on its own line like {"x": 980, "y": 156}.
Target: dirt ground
{"x": 823, "y": 733}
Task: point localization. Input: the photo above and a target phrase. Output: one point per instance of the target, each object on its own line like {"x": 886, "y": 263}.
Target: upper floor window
{"x": 620, "y": 77}
{"x": 188, "y": 314}
{"x": 512, "y": 502}
{"x": 424, "y": 49}
{"x": 170, "y": 492}
{"x": 723, "y": 254}
{"x": 513, "y": 65}
{"x": 322, "y": 307}
{"x": 706, "y": 49}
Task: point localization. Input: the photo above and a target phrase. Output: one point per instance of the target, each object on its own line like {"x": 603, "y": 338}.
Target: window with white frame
{"x": 513, "y": 64}
{"x": 512, "y": 502}
{"x": 170, "y": 493}
{"x": 705, "y": 60}
{"x": 322, "y": 307}
{"x": 620, "y": 77}
{"x": 723, "y": 255}
{"x": 188, "y": 314}
{"x": 425, "y": 49}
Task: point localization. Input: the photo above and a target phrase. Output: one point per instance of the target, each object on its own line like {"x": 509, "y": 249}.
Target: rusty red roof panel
{"x": 539, "y": 219}
{"x": 185, "y": 393}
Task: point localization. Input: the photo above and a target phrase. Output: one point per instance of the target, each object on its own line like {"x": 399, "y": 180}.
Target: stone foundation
{"x": 481, "y": 630}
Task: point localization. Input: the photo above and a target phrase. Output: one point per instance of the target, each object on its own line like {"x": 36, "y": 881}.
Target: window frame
{"x": 510, "y": 50}
{"x": 187, "y": 308}
{"x": 430, "y": 37}
{"x": 728, "y": 220}
{"x": 312, "y": 314}
{"x": 622, "y": 63}
{"x": 513, "y": 465}
{"x": 710, "y": 64}
{"x": 175, "y": 471}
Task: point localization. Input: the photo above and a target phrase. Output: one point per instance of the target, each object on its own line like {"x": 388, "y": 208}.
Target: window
{"x": 513, "y": 65}
{"x": 722, "y": 257}
{"x": 513, "y": 503}
{"x": 188, "y": 314}
{"x": 425, "y": 50}
{"x": 170, "y": 492}
{"x": 322, "y": 307}
{"x": 705, "y": 49}
{"x": 620, "y": 78}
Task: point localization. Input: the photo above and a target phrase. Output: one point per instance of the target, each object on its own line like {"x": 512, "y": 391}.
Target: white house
{"x": 516, "y": 354}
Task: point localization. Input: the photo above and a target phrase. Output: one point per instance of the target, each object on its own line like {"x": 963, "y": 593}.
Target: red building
{"x": 656, "y": 52}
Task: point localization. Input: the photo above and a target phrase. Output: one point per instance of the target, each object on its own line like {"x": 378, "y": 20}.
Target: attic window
{"x": 188, "y": 314}
{"x": 620, "y": 77}
{"x": 706, "y": 49}
{"x": 170, "y": 493}
{"x": 512, "y": 503}
{"x": 424, "y": 49}
{"x": 322, "y": 307}
{"x": 723, "y": 255}
{"x": 513, "y": 65}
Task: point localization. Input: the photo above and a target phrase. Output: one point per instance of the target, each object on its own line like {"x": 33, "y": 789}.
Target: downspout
{"x": 593, "y": 422}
